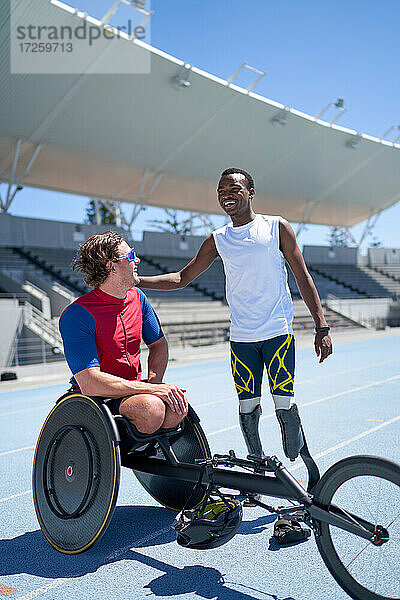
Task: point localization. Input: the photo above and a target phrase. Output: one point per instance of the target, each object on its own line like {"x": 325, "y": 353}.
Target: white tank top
{"x": 257, "y": 290}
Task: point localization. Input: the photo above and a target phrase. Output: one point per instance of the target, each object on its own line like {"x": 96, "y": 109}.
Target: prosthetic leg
{"x": 294, "y": 439}
{"x": 249, "y": 417}
{"x": 291, "y": 430}
{"x": 249, "y": 426}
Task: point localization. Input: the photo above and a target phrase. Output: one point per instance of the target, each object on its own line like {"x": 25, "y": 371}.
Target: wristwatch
{"x": 326, "y": 328}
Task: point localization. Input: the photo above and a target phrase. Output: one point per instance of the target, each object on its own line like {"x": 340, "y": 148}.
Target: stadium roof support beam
{"x": 369, "y": 226}
{"x": 18, "y": 182}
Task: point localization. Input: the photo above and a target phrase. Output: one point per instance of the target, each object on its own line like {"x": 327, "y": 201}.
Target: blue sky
{"x": 313, "y": 53}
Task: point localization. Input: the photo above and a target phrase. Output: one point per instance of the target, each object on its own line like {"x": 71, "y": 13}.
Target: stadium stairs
{"x": 172, "y": 265}
{"x": 387, "y": 276}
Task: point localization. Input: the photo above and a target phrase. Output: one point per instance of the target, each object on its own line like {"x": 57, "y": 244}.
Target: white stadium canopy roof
{"x": 137, "y": 138}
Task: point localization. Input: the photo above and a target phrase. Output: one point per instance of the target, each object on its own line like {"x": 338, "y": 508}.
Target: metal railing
{"x": 31, "y": 351}
{"x": 44, "y": 328}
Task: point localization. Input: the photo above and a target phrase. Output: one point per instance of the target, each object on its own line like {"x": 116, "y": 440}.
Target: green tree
{"x": 337, "y": 236}
{"x": 106, "y": 216}
{"x": 174, "y": 223}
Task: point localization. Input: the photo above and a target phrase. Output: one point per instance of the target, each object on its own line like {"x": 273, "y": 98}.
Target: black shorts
{"x": 114, "y": 405}
{"x": 249, "y": 358}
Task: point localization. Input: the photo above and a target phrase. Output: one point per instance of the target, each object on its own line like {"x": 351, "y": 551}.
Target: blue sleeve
{"x": 78, "y": 330}
{"x": 151, "y": 330}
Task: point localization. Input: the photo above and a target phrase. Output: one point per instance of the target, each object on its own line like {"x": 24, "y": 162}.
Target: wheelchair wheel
{"x": 76, "y": 473}
{"x": 189, "y": 445}
{"x": 368, "y": 487}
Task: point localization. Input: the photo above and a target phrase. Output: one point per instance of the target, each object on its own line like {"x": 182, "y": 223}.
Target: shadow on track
{"x": 205, "y": 582}
{"x": 130, "y": 527}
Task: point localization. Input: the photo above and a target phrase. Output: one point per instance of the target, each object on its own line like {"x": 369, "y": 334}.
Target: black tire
{"x": 188, "y": 446}
{"x": 368, "y": 487}
{"x": 76, "y": 473}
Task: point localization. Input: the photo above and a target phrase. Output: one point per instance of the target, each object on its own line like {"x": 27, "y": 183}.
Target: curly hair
{"x": 233, "y": 170}
{"x": 93, "y": 255}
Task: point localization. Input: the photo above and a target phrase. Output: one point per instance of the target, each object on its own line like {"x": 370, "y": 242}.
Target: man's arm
{"x": 94, "y": 382}
{"x": 291, "y": 251}
{"x": 173, "y": 281}
{"x": 157, "y": 360}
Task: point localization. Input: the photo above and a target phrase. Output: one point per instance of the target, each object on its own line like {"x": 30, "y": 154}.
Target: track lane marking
{"x": 23, "y": 410}
{"x": 312, "y": 380}
{"x": 330, "y": 374}
{"x": 16, "y": 450}
{"x": 6, "y": 590}
{"x": 349, "y": 441}
{"x": 15, "y": 496}
{"x": 232, "y": 427}
{"x": 305, "y": 381}
{"x": 312, "y": 402}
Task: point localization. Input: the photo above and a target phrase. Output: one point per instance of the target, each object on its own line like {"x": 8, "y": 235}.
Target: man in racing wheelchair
{"x": 102, "y": 331}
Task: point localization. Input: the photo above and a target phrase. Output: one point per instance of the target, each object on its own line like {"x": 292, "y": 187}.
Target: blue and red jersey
{"x": 99, "y": 330}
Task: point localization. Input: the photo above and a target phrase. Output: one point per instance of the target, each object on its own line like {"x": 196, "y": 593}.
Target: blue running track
{"x": 349, "y": 405}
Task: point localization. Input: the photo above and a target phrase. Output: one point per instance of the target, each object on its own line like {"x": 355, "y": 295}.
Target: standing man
{"x": 102, "y": 331}
{"x": 253, "y": 249}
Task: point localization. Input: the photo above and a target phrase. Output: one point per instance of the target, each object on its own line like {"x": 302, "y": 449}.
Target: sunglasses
{"x": 131, "y": 256}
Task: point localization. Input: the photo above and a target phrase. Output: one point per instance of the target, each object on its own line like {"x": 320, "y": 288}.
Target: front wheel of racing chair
{"x": 77, "y": 463}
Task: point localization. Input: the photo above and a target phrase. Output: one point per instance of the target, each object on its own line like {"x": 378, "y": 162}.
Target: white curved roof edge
{"x": 221, "y": 81}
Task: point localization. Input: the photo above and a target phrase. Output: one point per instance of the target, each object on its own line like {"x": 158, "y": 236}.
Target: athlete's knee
{"x": 172, "y": 418}
{"x": 145, "y": 411}
{"x": 247, "y": 405}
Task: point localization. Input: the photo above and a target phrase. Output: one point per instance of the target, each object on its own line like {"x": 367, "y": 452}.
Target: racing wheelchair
{"x": 353, "y": 509}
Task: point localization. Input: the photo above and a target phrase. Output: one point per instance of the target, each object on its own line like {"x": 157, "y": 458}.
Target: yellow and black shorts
{"x": 249, "y": 358}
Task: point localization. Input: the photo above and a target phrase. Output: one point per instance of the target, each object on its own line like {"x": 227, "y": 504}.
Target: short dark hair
{"x": 92, "y": 257}
{"x": 233, "y": 170}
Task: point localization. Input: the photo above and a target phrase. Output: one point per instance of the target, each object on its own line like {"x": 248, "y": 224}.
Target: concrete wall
{"x": 41, "y": 233}
{"x": 169, "y": 244}
{"x": 362, "y": 311}
{"x": 324, "y": 255}
{"x": 10, "y": 316}
{"x": 384, "y": 256}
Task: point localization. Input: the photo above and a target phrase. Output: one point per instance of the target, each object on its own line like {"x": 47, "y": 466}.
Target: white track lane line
{"x": 332, "y": 397}
{"x": 23, "y": 410}
{"x": 17, "y": 450}
{"x": 349, "y": 441}
{"x": 313, "y": 379}
{"x": 330, "y": 374}
{"x": 16, "y": 496}
{"x": 305, "y": 381}
{"x": 362, "y": 387}
{"x": 232, "y": 427}
{"x": 301, "y": 466}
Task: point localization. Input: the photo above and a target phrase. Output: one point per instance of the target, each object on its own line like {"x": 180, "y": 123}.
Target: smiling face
{"x": 125, "y": 271}
{"x": 234, "y": 198}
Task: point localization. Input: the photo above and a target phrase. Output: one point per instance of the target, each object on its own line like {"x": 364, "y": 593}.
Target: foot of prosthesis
{"x": 292, "y": 436}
